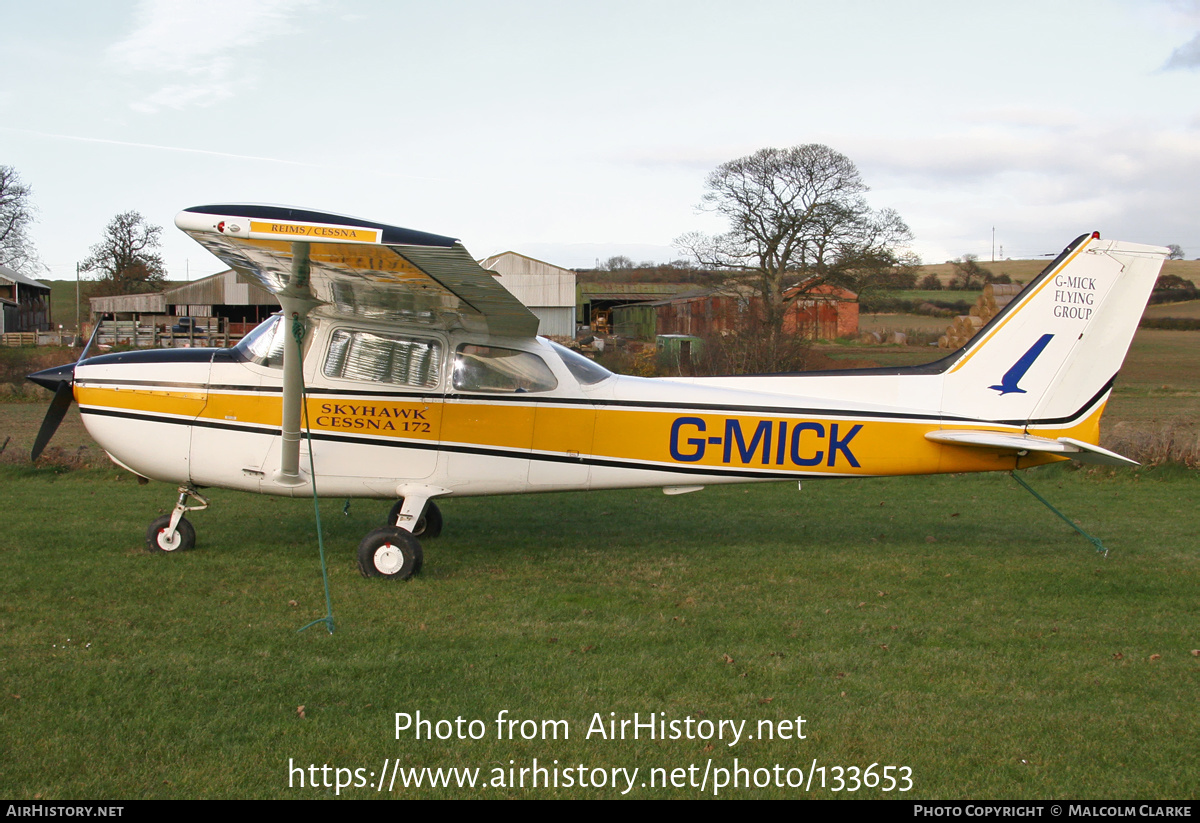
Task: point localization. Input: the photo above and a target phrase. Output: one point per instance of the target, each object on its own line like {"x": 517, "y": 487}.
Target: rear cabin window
{"x": 493, "y": 369}
{"x": 377, "y": 358}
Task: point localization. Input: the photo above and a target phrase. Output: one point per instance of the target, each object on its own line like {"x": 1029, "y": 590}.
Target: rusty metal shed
{"x": 824, "y": 312}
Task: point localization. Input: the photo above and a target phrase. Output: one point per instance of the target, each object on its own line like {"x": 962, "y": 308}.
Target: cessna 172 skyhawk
{"x": 419, "y": 376}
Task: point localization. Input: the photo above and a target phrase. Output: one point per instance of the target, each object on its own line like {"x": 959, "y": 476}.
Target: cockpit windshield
{"x": 264, "y": 345}
{"x": 587, "y": 372}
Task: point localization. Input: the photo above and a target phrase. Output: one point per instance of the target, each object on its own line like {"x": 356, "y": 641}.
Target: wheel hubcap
{"x": 388, "y": 559}
{"x": 169, "y": 543}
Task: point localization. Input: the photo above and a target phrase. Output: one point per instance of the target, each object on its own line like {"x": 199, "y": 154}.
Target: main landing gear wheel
{"x": 158, "y": 541}
{"x": 429, "y": 524}
{"x": 389, "y": 552}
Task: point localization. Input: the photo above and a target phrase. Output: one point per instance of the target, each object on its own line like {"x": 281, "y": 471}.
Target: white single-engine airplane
{"x": 418, "y": 376}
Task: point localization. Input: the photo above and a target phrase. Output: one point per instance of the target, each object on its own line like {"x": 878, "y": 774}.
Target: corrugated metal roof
{"x": 224, "y": 288}
{"x": 627, "y": 288}
{"x": 632, "y": 292}
{"x": 511, "y": 262}
{"x": 17, "y": 277}
{"x": 147, "y": 303}
{"x": 221, "y": 289}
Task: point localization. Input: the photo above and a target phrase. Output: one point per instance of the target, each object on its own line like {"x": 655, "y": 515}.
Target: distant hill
{"x": 1026, "y": 270}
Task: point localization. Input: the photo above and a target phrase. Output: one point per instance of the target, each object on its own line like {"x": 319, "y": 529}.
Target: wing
{"x": 358, "y": 268}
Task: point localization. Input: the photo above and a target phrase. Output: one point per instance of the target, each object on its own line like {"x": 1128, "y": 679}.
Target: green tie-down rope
{"x": 298, "y": 334}
{"x": 1095, "y": 540}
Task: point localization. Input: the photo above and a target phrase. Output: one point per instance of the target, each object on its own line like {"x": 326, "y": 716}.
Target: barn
{"x": 225, "y": 300}
{"x": 24, "y": 303}
{"x": 548, "y": 290}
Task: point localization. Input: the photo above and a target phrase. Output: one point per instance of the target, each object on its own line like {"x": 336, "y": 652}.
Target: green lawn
{"x": 949, "y": 625}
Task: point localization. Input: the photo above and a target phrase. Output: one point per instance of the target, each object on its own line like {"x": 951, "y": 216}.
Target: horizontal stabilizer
{"x": 1065, "y": 446}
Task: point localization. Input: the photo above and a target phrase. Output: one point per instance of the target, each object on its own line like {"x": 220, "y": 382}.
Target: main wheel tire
{"x": 429, "y": 524}
{"x": 389, "y": 552}
{"x": 184, "y": 538}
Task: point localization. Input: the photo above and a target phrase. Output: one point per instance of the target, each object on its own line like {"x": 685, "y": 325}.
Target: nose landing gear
{"x": 172, "y": 532}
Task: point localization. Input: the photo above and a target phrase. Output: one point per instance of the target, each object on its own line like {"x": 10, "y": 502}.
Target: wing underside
{"x": 358, "y": 269}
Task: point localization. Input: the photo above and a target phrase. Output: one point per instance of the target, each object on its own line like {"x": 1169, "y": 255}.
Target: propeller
{"x": 62, "y": 380}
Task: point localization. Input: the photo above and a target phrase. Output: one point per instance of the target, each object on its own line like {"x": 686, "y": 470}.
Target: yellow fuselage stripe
{"x": 704, "y": 440}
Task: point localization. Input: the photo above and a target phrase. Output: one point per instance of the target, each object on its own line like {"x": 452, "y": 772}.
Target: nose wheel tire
{"x": 429, "y": 524}
{"x": 389, "y": 552}
{"x": 158, "y": 541}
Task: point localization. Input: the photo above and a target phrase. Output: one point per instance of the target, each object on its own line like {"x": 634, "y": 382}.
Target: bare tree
{"x": 1175, "y": 252}
{"x": 16, "y": 216}
{"x": 127, "y": 258}
{"x": 797, "y": 217}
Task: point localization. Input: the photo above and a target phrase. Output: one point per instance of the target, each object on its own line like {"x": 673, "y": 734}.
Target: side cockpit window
{"x": 493, "y": 369}
{"x": 377, "y": 358}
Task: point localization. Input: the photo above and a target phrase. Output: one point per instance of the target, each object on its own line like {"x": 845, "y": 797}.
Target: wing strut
{"x": 297, "y": 301}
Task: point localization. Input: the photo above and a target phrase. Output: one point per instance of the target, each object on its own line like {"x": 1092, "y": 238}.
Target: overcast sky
{"x": 573, "y": 131}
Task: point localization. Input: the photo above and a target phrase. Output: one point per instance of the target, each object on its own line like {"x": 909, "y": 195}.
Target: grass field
{"x": 921, "y": 323}
{"x": 942, "y": 296}
{"x": 949, "y": 625}
{"x": 1188, "y": 308}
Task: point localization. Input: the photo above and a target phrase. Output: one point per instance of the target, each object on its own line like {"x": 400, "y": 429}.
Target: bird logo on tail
{"x": 1008, "y": 383}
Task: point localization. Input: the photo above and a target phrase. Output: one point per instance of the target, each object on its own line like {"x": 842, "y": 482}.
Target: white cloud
{"x": 193, "y": 46}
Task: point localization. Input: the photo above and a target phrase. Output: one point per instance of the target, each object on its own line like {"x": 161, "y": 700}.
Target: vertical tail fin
{"x": 1050, "y": 357}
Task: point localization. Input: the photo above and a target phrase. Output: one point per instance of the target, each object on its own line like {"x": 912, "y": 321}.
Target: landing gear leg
{"x": 428, "y": 524}
{"x": 172, "y": 532}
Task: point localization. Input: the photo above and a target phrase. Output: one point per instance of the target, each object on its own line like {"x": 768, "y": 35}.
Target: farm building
{"x": 598, "y": 303}
{"x": 24, "y": 303}
{"x": 229, "y": 302}
{"x": 223, "y": 295}
{"x": 825, "y": 312}
{"x": 548, "y": 290}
